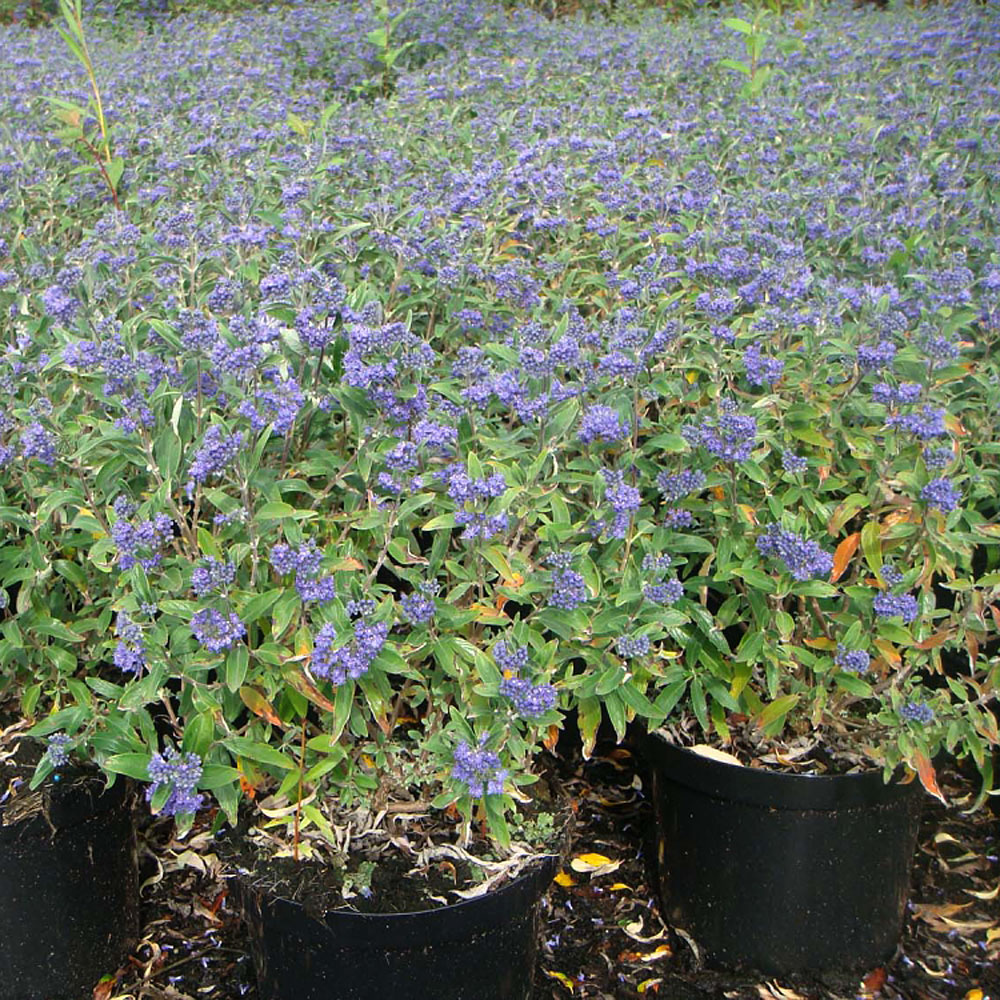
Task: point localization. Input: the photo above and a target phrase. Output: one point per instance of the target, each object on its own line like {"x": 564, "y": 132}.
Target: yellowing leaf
{"x": 820, "y": 642}
{"x": 649, "y": 984}
{"x": 346, "y": 564}
{"x": 594, "y": 864}
{"x": 986, "y": 894}
{"x": 925, "y": 770}
{"x": 618, "y": 886}
{"x": 565, "y": 880}
{"x": 661, "y": 951}
{"x": 711, "y": 753}
{"x": 562, "y": 978}
{"x": 843, "y": 555}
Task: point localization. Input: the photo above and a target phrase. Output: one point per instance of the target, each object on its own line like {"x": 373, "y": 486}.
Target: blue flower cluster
{"x": 942, "y": 494}
{"x": 419, "y": 606}
{"x": 37, "y": 442}
{"x": 630, "y": 647}
{"x": 803, "y": 558}
{"x": 478, "y": 769}
{"x": 57, "y": 749}
{"x": 852, "y": 661}
{"x": 215, "y": 631}
{"x": 602, "y": 423}
{"x": 917, "y": 711}
{"x": 674, "y": 486}
{"x": 352, "y": 660}
{"x": 925, "y": 424}
{"x": 130, "y": 653}
{"x": 213, "y": 575}
{"x": 139, "y": 542}
{"x": 874, "y": 359}
{"x": 278, "y": 404}
{"x": 467, "y": 491}
{"x": 304, "y": 562}
{"x": 181, "y": 772}
{"x": 216, "y": 452}
{"x": 623, "y": 499}
{"x": 569, "y": 590}
{"x": 760, "y": 370}
{"x": 530, "y": 700}
{"x": 896, "y": 605}
{"x": 730, "y": 437}
{"x": 791, "y": 462}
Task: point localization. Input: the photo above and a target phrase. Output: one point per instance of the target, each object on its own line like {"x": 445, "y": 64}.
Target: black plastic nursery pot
{"x": 479, "y": 949}
{"x": 782, "y": 872}
{"x": 69, "y": 910}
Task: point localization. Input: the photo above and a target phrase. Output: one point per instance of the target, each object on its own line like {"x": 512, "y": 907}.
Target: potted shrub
{"x": 819, "y": 483}
{"x": 247, "y": 616}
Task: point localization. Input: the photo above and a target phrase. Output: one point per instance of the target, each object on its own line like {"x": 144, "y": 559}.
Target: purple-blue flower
{"x": 130, "y": 653}
{"x": 803, "y": 558}
{"x": 215, "y": 631}
{"x": 852, "y": 661}
{"x": 917, "y": 711}
{"x": 623, "y": 499}
{"x": 37, "y": 442}
{"x": 629, "y": 646}
{"x": 674, "y": 486}
{"x": 569, "y": 590}
{"x": 942, "y": 494}
{"x": 419, "y": 606}
{"x": 603, "y": 424}
{"x": 896, "y": 605}
{"x": 57, "y": 749}
{"x": 478, "y": 769}
{"x": 181, "y": 772}
{"x": 351, "y": 660}
{"x": 216, "y": 452}
{"x": 212, "y": 575}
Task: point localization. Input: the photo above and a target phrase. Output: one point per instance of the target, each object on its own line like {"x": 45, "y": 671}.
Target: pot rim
{"x": 465, "y": 918}
{"x": 773, "y": 789}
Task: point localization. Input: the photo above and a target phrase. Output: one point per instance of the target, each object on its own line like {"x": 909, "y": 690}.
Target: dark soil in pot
{"x": 782, "y": 872}
{"x": 68, "y": 881}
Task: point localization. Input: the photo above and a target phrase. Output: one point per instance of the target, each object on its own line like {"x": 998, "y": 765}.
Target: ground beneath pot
{"x": 603, "y": 937}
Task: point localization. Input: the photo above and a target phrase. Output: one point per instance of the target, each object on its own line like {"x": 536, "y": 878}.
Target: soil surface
{"x": 603, "y": 938}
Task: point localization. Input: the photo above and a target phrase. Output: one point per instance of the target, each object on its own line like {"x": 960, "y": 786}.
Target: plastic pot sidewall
{"x": 69, "y": 910}
{"x": 478, "y": 949}
{"x": 782, "y": 872}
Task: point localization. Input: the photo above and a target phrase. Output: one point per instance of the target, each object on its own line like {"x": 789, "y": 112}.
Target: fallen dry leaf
{"x": 594, "y": 864}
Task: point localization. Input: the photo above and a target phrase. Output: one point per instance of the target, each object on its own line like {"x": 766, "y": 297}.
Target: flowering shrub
{"x": 367, "y": 439}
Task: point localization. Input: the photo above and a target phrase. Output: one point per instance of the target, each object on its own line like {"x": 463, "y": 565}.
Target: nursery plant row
{"x": 390, "y": 387}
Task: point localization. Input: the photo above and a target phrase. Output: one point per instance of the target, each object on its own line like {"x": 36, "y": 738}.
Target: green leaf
{"x": 738, "y": 24}
{"x": 114, "y": 170}
{"x": 772, "y": 716}
{"x": 735, "y": 64}
{"x": 854, "y": 684}
{"x": 756, "y": 578}
{"x": 276, "y": 509}
{"x": 214, "y": 776}
{"x": 132, "y": 765}
{"x": 260, "y": 752}
{"x": 199, "y": 733}
{"x": 260, "y": 604}
{"x": 237, "y": 662}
